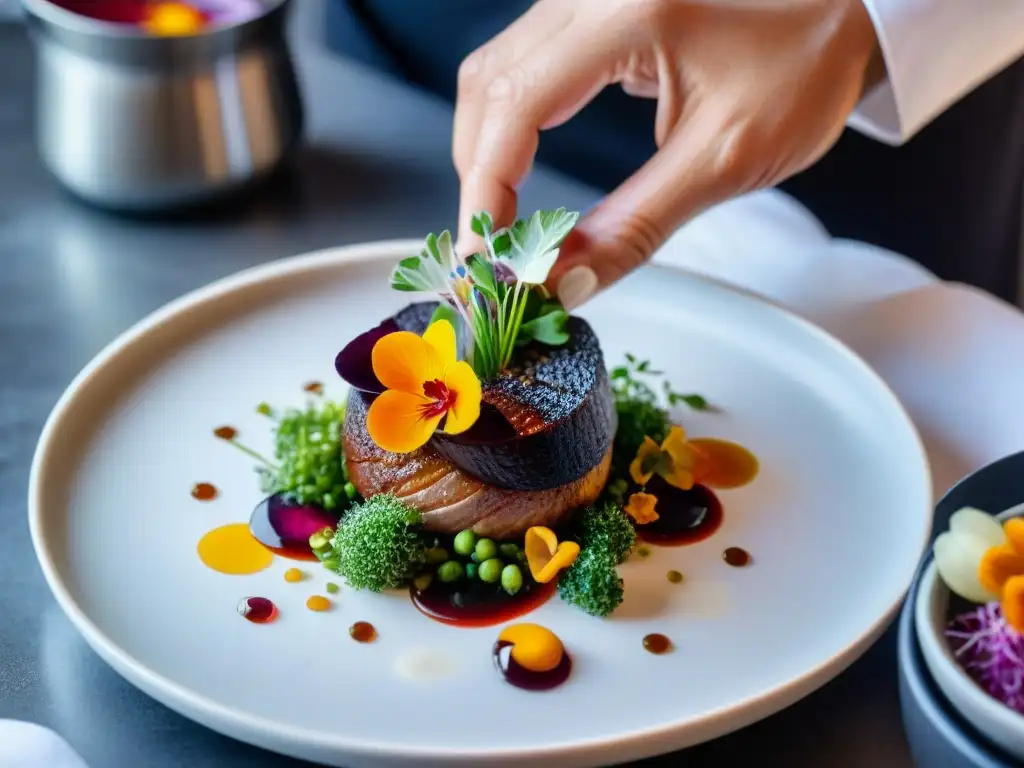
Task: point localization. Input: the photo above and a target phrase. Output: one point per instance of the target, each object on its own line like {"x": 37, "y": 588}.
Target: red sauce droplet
{"x": 258, "y": 610}
{"x": 657, "y": 643}
{"x": 285, "y": 528}
{"x": 736, "y": 557}
{"x": 472, "y": 603}
{"x": 363, "y": 632}
{"x": 517, "y": 675}
{"x": 684, "y": 517}
{"x": 204, "y": 492}
{"x": 226, "y": 433}
{"x": 314, "y": 387}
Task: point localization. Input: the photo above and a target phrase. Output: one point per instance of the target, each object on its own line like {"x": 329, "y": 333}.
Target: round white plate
{"x": 836, "y": 522}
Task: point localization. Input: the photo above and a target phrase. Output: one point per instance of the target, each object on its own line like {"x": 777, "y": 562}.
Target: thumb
{"x": 693, "y": 170}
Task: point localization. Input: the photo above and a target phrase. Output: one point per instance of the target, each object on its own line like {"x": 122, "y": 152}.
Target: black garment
{"x": 952, "y": 198}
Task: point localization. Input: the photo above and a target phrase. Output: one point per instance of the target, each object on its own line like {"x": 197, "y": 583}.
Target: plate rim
{"x": 264, "y": 732}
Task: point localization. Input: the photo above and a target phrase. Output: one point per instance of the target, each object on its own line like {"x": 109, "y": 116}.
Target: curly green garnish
{"x": 311, "y": 463}
{"x": 592, "y": 584}
{"x": 607, "y": 528}
{"x": 640, "y": 412}
{"x": 378, "y": 545}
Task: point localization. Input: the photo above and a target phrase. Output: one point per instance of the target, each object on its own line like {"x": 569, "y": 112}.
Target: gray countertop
{"x": 376, "y": 166}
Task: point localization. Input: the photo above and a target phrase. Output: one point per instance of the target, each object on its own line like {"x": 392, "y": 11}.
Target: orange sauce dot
{"x": 204, "y": 492}
{"x": 231, "y": 549}
{"x": 318, "y": 603}
{"x": 726, "y": 464}
{"x": 293, "y": 575}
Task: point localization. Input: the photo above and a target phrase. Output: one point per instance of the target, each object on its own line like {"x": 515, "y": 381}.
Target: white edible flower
{"x": 958, "y": 552}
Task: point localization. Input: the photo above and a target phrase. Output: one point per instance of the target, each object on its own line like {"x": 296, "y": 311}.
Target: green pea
{"x": 328, "y": 502}
{"x": 350, "y": 490}
{"x": 436, "y": 555}
{"x": 332, "y": 588}
{"x": 450, "y": 572}
{"x": 490, "y": 570}
{"x": 471, "y": 570}
{"x": 485, "y": 549}
{"x": 465, "y": 541}
{"x": 511, "y": 579}
{"x": 509, "y": 550}
{"x": 423, "y": 581}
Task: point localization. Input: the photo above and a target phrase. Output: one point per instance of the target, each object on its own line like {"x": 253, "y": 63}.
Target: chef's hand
{"x": 749, "y": 93}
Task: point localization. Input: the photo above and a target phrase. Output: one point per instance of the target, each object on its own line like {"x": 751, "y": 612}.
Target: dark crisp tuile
{"x": 558, "y": 402}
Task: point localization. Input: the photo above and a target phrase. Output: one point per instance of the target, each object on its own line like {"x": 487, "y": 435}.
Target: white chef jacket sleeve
{"x": 936, "y": 51}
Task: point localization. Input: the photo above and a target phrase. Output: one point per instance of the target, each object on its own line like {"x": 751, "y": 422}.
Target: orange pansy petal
{"x": 462, "y": 381}
{"x": 1014, "y": 530}
{"x": 396, "y": 421}
{"x": 647, "y": 448}
{"x": 441, "y": 337}
{"x": 998, "y": 565}
{"x": 641, "y": 508}
{"x": 564, "y": 556}
{"x": 404, "y": 361}
{"x": 675, "y": 440}
{"x": 679, "y": 477}
{"x": 1013, "y": 603}
{"x": 540, "y": 544}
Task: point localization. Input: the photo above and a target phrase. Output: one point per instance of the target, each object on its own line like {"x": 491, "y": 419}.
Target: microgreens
{"x": 495, "y": 299}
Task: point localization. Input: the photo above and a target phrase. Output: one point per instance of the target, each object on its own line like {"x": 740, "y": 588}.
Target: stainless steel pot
{"x": 140, "y": 123}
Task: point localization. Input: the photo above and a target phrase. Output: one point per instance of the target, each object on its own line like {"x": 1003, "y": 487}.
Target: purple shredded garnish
{"x": 991, "y": 652}
{"x": 355, "y": 362}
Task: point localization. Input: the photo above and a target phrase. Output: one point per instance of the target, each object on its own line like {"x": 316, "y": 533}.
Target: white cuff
{"x": 936, "y": 51}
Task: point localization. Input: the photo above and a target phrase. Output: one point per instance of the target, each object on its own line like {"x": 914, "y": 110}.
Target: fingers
{"x": 548, "y": 85}
{"x": 541, "y": 22}
{"x": 700, "y": 163}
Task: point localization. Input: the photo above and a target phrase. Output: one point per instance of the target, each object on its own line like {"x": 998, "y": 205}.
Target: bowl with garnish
{"x": 556, "y": 537}
{"x": 969, "y": 619}
{"x": 151, "y": 106}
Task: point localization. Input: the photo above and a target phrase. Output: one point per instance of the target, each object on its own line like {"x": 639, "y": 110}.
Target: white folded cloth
{"x": 27, "y": 745}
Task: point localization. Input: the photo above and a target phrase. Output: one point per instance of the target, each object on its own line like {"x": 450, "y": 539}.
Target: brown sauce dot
{"x": 226, "y": 433}
{"x": 204, "y": 492}
{"x": 314, "y": 387}
{"x": 363, "y": 632}
{"x": 657, "y": 643}
{"x": 675, "y": 577}
{"x": 736, "y": 557}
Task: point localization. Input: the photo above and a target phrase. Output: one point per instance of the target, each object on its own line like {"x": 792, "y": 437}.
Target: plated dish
{"x": 483, "y": 459}
{"x": 320, "y": 567}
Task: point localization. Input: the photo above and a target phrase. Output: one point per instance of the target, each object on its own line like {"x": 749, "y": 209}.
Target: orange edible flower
{"x": 1012, "y": 602}
{"x": 545, "y": 555}
{"x": 1001, "y": 571}
{"x": 675, "y": 460}
{"x": 641, "y": 508}
{"x": 425, "y": 383}
{"x": 173, "y": 19}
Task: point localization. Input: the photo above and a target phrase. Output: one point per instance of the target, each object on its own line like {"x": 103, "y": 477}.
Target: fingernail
{"x": 576, "y": 286}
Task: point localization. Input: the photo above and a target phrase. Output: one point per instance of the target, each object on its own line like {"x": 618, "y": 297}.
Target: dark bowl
{"x": 938, "y": 736}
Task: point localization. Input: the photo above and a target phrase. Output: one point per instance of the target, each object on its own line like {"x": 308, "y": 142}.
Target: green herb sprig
{"x": 640, "y": 411}
{"x": 495, "y": 297}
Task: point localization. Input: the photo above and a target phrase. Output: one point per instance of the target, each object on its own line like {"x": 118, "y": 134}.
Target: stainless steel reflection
{"x": 135, "y": 122}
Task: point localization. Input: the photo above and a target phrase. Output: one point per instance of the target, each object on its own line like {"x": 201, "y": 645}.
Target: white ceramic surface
{"x": 844, "y": 482}
{"x": 1001, "y": 724}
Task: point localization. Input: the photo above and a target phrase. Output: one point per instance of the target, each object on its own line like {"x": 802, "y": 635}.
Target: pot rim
{"x": 61, "y": 18}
